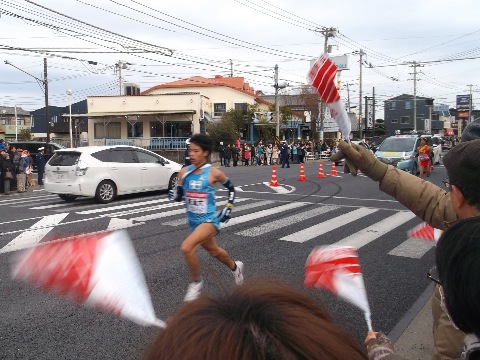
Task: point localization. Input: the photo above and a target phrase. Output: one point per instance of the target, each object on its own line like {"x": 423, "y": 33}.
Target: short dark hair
{"x": 463, "y": 167}
{"x": 204, "y": 141}
{"x": 458, "y": 264}
{"x": 259, "y": 320}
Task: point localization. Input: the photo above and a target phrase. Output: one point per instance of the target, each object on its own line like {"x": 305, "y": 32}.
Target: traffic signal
{"x": 269, "y": 116}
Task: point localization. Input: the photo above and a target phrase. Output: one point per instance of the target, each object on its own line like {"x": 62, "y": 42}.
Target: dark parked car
{"x": 32, "y": 147}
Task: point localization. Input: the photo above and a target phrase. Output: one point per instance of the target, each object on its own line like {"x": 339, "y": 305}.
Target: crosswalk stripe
{"x": 286, "y": 221}
{"x": 254, "y": 205}
{"x": 124, "y": 206}
{"x": 329, "y": 225}
{"x": 373, "y": 232}
{"x": 263, "y": 213}
{"x": 35, "y": 234}
{"x": 44, "y": 207}
{"x": 412, "y": 248}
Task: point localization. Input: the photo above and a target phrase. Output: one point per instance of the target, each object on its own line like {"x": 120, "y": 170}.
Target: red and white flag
{"x": 425, "y": 232}
{"x": 322, "y": 77}
{"x": 337, "y": 270}
{"x": 101, "y": 271}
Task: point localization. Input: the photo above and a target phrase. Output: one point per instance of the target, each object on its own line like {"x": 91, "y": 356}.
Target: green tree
{"x": 25, "y": 134}
{"x": 224, "y": 130}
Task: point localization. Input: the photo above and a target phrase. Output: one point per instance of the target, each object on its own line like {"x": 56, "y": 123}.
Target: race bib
{"x": 196, "y": 202}
{"x": 423, "y": 157}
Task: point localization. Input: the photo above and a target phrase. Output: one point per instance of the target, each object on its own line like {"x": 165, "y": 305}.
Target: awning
{"x": 207, "y": 116}
{"x": 448, "y": 132}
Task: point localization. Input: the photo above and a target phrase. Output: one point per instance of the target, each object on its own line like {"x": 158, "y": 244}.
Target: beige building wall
{"x": 216, "y": 94}
{"x": 140, "y": 109}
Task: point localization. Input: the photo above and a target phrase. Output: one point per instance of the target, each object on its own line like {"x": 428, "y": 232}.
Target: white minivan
{"x": 104, "y": 172}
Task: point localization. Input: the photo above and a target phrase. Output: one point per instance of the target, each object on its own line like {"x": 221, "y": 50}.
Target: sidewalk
{"x": 413, "y": 337}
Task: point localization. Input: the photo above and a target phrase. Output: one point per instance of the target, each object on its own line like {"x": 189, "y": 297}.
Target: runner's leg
{"x": 202, "y": 233}
{"x": 218, "y": 253}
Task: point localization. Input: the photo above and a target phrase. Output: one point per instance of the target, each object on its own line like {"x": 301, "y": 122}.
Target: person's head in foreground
{"x": 259, "y": 320}
{"x": 458, "y": 264}
{"x": 463, "y": 168}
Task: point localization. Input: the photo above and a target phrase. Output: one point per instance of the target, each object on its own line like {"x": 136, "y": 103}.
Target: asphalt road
{"x": 273, "y": 231}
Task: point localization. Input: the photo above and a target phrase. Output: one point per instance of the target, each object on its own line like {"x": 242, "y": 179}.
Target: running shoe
{"x": 193, "y": 291}
{"x": 238, "y": 273}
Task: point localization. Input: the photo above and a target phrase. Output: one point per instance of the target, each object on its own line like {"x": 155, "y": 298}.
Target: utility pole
{"x": 348, "y": 97}
{"x": 415, "y": 65}
{"x": 470, "y": 105}
{"x": 373, "y": 114}
{"x": 231, "y": 68}
{"x": 277, "y": 86}
{"x": 277, "y": 105}
{"x": 120, "y": 65}
{"x": 45, "y": 85}
{"x": 360, "y": 114}
{"x": 327, "y": 32}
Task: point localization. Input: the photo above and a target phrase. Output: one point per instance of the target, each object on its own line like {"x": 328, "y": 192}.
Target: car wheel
{"x": 106, "y": 192}
{"x": 415, "y": 168}
{"x": 67, "y": 197}
{"x": 172, "y": 184}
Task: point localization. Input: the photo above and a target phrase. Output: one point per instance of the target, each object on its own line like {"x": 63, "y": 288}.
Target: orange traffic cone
{"x": 274, "y": 181}
{"x": 302, "y": 173}
{"x": 320, "y": 171}
{"x": 333, "y": 172}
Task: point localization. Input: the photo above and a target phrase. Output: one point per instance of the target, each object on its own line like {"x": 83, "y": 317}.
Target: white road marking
{"x": 183, "y": 221}
{"x": 118, "y": 223}
{"x": 287, "y": 221}
{"x": 261, "y": 214}
{"x": 412, "y": 248}
{"x": 49, "y": 206}
{"x": 329, "y": 225}
{"x": 373, "y": 232}
{"x": 33, "y": 235}
{"x": 279, "y": 189}
{"x": 125, "y": 206}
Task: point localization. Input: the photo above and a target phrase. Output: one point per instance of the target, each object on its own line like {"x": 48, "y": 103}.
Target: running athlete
{"x": 195, "y": 186}
{"x": 424, "y": 162}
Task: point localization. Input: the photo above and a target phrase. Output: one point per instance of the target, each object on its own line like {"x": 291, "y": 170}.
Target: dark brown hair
{"x": 260, "y": 320}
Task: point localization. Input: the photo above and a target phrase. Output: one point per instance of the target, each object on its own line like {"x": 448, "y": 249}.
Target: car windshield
{"x": 396, "y": 144}
{"x": 64, "y": 158}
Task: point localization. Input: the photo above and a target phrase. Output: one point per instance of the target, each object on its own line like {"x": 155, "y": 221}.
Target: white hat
{"x": 41, "y": 148}
{"x": 221, "y": 142}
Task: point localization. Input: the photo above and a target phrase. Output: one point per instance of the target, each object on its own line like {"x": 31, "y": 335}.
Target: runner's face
{"x": 197, "y": 154}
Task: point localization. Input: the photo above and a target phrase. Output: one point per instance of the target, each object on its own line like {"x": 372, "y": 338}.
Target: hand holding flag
{"x": 337, "y": 270}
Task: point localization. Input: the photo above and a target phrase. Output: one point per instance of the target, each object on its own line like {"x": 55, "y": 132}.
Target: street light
{"x": 69, "y": 93}
{"x": 43, "y": 83}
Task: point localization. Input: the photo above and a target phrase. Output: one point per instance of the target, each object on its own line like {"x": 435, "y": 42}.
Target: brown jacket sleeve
{"x": 426, "y": 200}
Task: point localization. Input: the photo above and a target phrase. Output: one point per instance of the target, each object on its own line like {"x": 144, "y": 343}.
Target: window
{"x": 242, "y": 107}
{"x": 394, "y": 121}
{"x": 408, "y": 105}
{"x": 219, "y": 109}
{"x": 135, "y": 130}
{"x": 103, "y": 156}
{"x": 144, "y": 157}
{"x": 405, "y": 120}
{"x": 391, "y": 105}
{"x": 64, "y": 159}
{"x": 435, "y": 117}
{"x": 107, "y": 130}
{"x": 122, "y": 156}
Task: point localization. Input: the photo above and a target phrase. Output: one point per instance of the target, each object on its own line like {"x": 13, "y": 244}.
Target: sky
{"x": 164, "y": 41}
